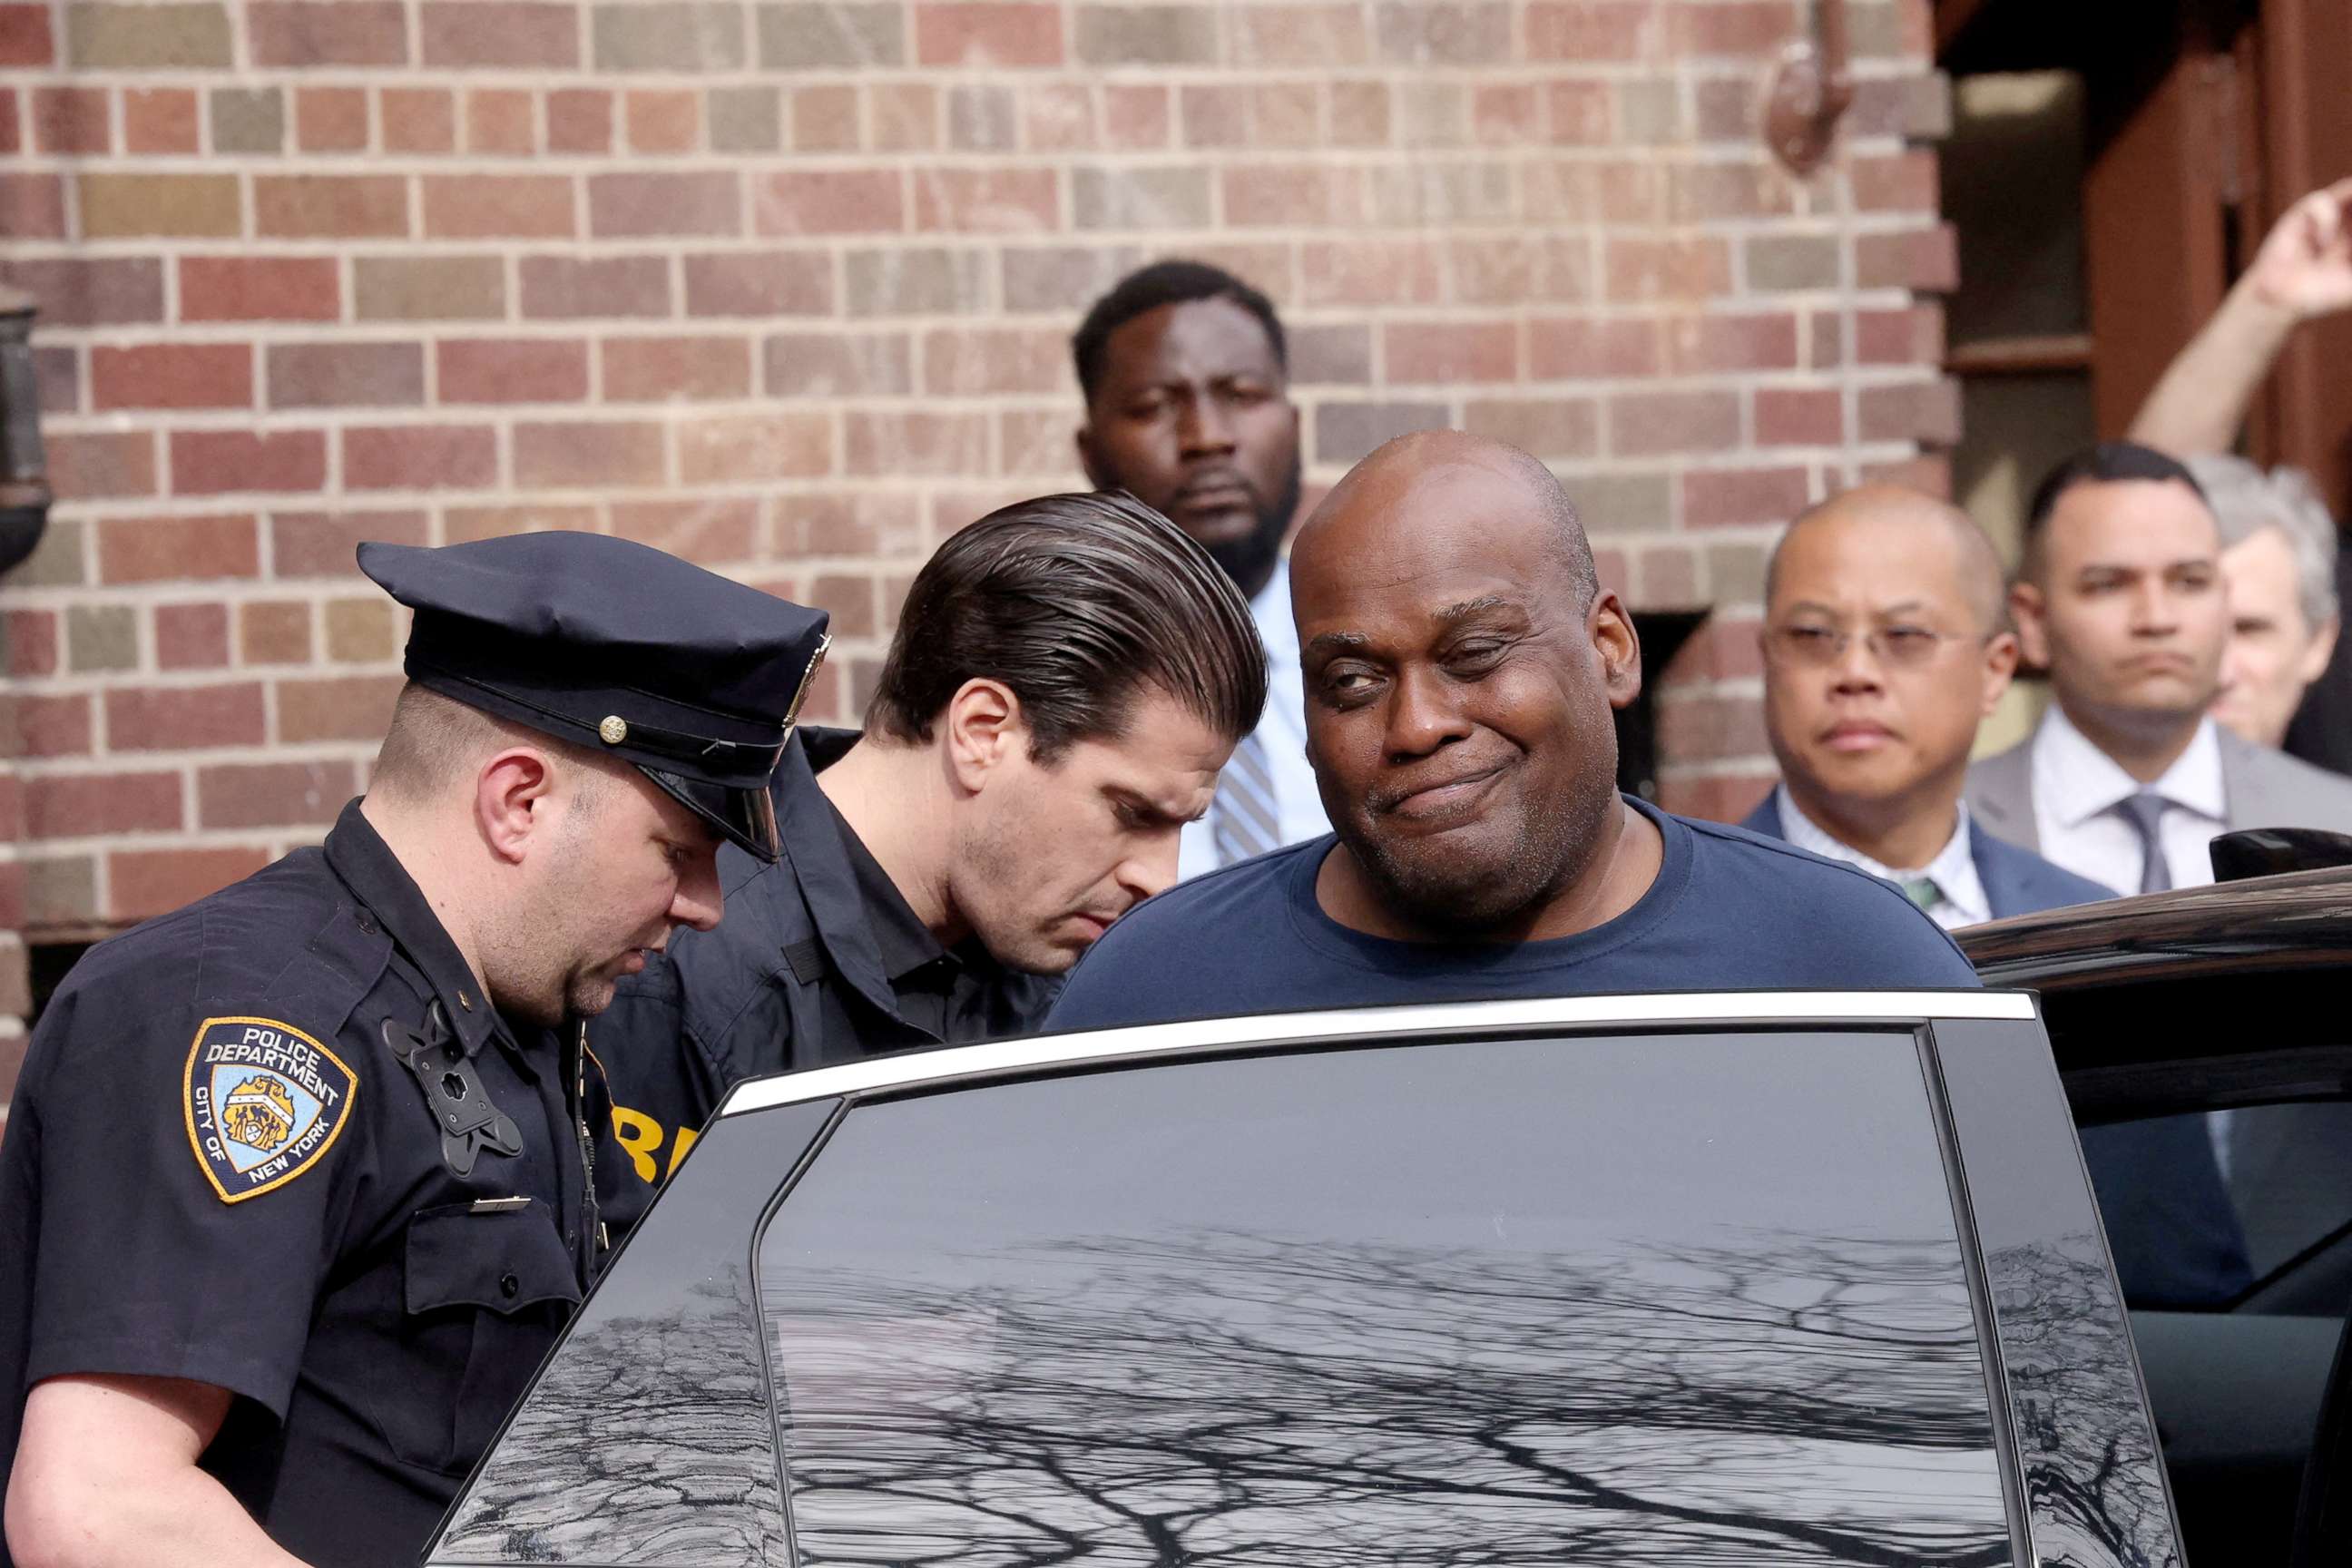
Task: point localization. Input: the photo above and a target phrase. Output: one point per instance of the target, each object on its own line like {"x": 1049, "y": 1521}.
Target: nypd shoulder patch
{"x": 264, "y": 1102}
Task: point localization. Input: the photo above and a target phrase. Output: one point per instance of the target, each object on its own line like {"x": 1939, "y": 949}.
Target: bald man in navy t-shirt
{"x": 1461, "y": 662}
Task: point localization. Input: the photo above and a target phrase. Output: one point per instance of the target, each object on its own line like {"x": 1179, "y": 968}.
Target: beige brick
{"x": 143, "y": 37}
{"x": 1141, "y": 197}
{"x": 126, "y": 207}
{"x": 895, "y": 282}
{"x": 745, "y": 119}
{"x": 248, "y": 120}
{"x": 831, "y": 36}
{"x": 359, "y": 631}
{"x": 668, "y": 36}
{"x": 101, "y": 637}
{"x": 1146, "y": 35}
{"x": 429, "y": 288}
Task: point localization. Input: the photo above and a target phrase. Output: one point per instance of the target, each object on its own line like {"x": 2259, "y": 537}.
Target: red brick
{"x": 664, "y": 119}
{"x": 272, "y": 795}
{"x": 1711, "y": 192}
{"x": 70, "y": 119}
{"x": 1135, "y": 118}
{"x": 1288, "y": 195}
{"x": 643, "y": 369}
{"x": 1549, "y": 427}
{"x": 44, "y": 726}
{"x": 906, "y": 116}
{"x": 1372, "y": 272}
{"x": 327, "y": 33}
{"x": 33, "y": 206}
{"x": 1593, "y": 31}
{"x": 184, "y": 717}
{"x": 501, "y": 122}
{"x": 24, "y": 36}
{"x": 144, "y": 883}
{"x": 988, "y": 35}
{"x": 346, "y": 708}
{"x": 974, "y": 362}
{"x": 987, "y": 201}
{"x": 510, "y": 34}
{"x": 1924, "y": 411}
{"x": 178, "y": 549}
{"x": 935, "y": 446}
{"x": 103, "y": 465}
{"x": 1738, "y": 27}
{"x": 224, "y": 462}
{"x": 759, "y": 283}
{"x": 829, "y": 200}
{"x": 1712, "y": 344}
{"x": 464, "y": 524}
{"x": 580, "y": 120}
{"x": 755, "y": 448}
{"x": 511, "y": 369}
{"x": 634, "y": 205}
{"x": 1582, "y": 113}
{"x": 837, "y": 364}
{"x": 346, "y": 375}
{"x": 1578, "y": 347}
{"x": 1059, "y": 117}
{"x": 1505, "y": 115}
{"x": 1924, "y": 259}
{"x": 1713, "y": 498}
{"x": 860, "y": 524}
{"x": 1708, "y": 729}
{"x": 1904, "y": 183}
{"x": 824, "y": 119}
{"x": 171, "y": 375}
{"x": 322, "y": 544}
{"x": 566, "y": 287}
{"x": 708, "y": 532}
{"x": 418, "y": 118}
{"x": 160, "y": 120}
{"x": 330, "y": 119}
{"x": 1929, "y": 475}
{"x": 1800, "y": 417}
{"x": 28, "y": 645}
{"x": 1451, "y": 350}
{"x": 1641, "y": 423}
{"x": 190, "y": 636}
{"x": 259, "y": 288}
{"x": 420, "y": 457}
{"x": 499, "y": 206}
{"x": 77, "y": 292}
{"x": 1687, "y": 270}
{"x": 84, "y": 806}
{"x": 330, "y": 206}
{"x": 1911, "y": 335}
{"x": 1713, "y": 797}
{"x": 588, "y": 454}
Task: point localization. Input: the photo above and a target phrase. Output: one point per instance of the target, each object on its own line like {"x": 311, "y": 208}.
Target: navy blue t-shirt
{"x": 1730, "y": 910}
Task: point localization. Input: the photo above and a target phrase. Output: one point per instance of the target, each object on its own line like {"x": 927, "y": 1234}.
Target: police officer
{"x": 298, "y": 1186}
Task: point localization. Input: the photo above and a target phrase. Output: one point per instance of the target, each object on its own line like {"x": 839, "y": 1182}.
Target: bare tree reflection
{"x": 1230, "y": 1398}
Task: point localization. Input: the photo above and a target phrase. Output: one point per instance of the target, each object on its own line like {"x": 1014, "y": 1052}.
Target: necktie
{"x": 1243, "y": 823}
{"x": 1922, "y": 891}
{"x": 2145, "y": 812}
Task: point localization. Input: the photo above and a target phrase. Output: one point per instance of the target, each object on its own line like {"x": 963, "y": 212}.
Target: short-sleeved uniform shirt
{"x": 819, "y": 960}
{"x": 1729, "y": 910}
{"x": 217, "y": 1169}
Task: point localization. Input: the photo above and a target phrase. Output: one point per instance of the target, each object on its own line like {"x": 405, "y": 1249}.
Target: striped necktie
{"x": 1243, "y": 823}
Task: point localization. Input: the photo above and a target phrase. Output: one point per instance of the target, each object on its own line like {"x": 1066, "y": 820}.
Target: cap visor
{"x": 743, "y": 816}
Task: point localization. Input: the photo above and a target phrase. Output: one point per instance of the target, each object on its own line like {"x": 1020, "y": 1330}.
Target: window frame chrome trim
{"x": 1212, "y": 1037}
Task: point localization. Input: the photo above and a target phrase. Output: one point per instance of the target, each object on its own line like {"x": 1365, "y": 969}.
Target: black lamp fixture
{"x": 24, "y": 478}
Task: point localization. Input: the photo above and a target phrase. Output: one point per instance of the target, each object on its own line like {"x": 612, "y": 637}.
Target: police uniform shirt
{"x": 815, "y": 962}
{"x": 218, "y": 1169}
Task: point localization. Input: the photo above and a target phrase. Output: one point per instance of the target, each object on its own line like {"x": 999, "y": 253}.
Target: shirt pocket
{"x": 483, "y": 1296}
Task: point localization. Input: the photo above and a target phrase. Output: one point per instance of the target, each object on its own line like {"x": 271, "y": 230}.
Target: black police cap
{"x": 617, "y": 646}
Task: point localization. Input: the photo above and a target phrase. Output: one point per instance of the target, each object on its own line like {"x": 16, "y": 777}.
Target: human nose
{"x": 1205, "y": 428}
{"x": 1149, "y": 871}
{"x": 698, "y": 901}
{"x": 2154, "y": 613}
{"x": 1859, "y": 665}
{"x": 1423, "y": 715}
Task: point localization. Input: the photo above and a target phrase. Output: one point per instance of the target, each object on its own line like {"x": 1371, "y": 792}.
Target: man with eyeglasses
{"x": 1885, "y": 645}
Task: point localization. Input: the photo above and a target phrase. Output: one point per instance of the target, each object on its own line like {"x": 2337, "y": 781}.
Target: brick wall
{"x": 785, "y": 288}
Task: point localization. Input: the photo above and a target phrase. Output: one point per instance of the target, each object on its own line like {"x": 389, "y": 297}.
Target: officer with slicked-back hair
{"x": 298, "y": 1184}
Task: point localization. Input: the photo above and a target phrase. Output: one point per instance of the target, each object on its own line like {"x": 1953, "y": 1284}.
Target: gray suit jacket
{"x": 2262, "y": 788}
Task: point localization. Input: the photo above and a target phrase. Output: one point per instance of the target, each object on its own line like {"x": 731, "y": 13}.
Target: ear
{"x": 2322, "y": 649}
{"x": 1999, "y": 664}
{"x": 2025, "y": 607}
{"x": 982, "y": 728}
{"x": 1620, "y": 647}
{"x": 1098, "y": 473}
{"x": 512, "y": 800}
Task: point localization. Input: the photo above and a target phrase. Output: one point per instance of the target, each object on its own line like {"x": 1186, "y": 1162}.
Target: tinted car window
{"x": 1680, "y": 1299}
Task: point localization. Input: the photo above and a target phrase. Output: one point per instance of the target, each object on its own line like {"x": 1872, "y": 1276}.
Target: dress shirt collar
{"x": 2078, "y": 781}
{"x": 1960, "y": 897}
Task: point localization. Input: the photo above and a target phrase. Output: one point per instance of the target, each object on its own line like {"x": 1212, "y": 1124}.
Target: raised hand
{"x": 2305, "y": 265}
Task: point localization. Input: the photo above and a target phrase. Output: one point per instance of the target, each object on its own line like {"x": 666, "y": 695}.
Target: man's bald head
{"x": 1377, "y": 492}
{"x": 1889, "y": 509}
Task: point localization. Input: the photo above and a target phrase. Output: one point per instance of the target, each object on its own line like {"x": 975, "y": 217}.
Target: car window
{"x": 2210, "y": 1211}
{"x": 1663, "y": 1299}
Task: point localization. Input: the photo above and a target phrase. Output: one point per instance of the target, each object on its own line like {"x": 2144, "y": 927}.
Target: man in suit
{"x": 2127, "y": 779}
{"x": 1883, "y": 647}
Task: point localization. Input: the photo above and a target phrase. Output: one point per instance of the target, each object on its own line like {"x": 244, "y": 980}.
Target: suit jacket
{"x": 2259, "y": 788}
{"x": 2016, "y": 881}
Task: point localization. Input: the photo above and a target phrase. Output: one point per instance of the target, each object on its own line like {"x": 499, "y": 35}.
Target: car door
{"x": 1731, "y": 1279}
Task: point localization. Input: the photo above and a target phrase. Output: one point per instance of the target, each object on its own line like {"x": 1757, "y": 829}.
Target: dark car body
{"x": 1714, "y": 1278}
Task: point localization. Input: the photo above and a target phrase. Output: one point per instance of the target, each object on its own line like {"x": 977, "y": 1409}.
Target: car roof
{"x": 2296, "y": 918}
{"x": 998, "y": 1059}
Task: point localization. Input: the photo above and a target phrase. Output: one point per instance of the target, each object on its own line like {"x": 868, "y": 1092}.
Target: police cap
{"x": 620, "y": 648}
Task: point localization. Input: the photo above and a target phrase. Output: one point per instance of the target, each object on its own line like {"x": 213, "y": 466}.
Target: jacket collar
{"x": 820, "y": 862}
{"x": 359, "y": 856}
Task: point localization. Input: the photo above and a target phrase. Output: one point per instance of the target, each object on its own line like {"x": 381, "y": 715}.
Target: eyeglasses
{"x": 1895, "y": 647}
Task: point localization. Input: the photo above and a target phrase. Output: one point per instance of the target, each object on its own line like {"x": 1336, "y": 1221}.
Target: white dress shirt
{"x": 1961, "y": 897}
{"x": 1282, "y": 731}
{"x": 2077, "y": 787}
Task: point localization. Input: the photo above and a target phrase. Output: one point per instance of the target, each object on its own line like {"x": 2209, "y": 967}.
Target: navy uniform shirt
{"x": 814, "y": 963}
{"x": 217, "y": 1169}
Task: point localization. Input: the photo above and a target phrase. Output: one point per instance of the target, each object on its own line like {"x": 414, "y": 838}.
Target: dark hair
{"x": 1165, "y": 283}
{"x": 1075, "y": 602}
{"x": 2109, "y": 462}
